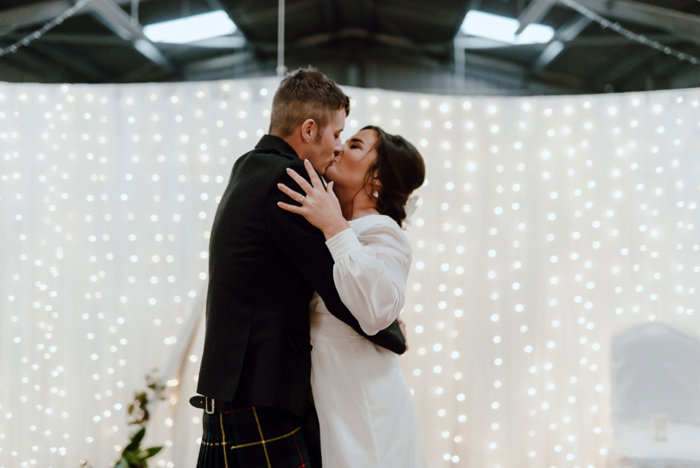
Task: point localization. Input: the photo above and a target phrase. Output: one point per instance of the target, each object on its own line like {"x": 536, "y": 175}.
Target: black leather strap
{"x": 198, "y": 401}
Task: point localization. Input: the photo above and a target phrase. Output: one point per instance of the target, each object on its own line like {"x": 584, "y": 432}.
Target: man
{"x": 264, "y": 265}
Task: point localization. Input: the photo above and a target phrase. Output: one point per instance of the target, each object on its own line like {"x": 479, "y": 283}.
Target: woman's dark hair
{"x": 400, "y": 169}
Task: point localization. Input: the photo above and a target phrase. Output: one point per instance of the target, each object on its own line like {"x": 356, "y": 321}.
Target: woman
{"x": 363, "y": 402}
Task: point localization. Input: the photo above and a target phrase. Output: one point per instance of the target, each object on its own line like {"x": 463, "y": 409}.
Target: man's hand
{"x": 402, "y": 327}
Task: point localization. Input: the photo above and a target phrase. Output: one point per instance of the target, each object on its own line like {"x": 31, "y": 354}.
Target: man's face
{"x": 322, "y": 151}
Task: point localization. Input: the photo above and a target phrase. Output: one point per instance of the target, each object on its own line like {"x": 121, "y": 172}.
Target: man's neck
{"x": 294, "y": 143}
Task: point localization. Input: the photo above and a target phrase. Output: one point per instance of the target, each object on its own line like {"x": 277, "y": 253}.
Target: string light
{"x": 26, "y": 40}
{"x": 640, "y": 38}
{"x": 513, "y": 255}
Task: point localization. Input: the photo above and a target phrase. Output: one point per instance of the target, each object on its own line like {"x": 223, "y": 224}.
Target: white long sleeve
{"x": 370, "y": 272}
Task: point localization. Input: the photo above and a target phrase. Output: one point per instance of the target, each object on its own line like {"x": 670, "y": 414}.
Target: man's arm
{"x": 305, "y": 247}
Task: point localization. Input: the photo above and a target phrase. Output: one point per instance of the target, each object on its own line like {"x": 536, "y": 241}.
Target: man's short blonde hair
{"x": 306, "y": 94}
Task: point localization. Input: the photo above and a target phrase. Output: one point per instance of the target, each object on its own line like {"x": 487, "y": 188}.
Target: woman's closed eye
{"x": 355, "y": 143}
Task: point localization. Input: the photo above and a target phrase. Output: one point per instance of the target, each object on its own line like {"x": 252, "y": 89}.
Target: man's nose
{"x": 337, "y": 154}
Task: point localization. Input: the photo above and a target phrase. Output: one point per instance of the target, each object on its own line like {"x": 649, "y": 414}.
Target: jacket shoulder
{"x": 271, "y": 159}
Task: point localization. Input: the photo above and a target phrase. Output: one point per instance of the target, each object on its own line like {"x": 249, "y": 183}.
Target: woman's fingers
{"x": 329, "y": 190}
{"x": 315, "y": 181}
{"x": 290, "y": 208}
{"x": 300, "y": 180}
{"x": 292, "y": 194}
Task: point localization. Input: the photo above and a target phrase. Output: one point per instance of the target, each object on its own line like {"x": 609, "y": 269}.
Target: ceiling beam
{"x": 612, "y": 41}
{"x": 686, "y": 78}
{"x": 46, "y": 71}
{"x": 425, "y": 15}
{"x": 116, "y": 19}
{"x": 617, "y": 69}
{"x": 572, "y": 29}
{"x": 236, "y": 42}
{"x": 547, "y": 56}
{"x": 474, "y": 63}
{"x": 222, "y": 42}
{"x": 72, "y": 61}
{"x": 12, "y": 19}
{"x": 78, "y": 39}
{"x": 534, "y": 12}
{"x": 681, "y": 24}
{"x": 349, "y": 34}
{"x": 482, "y": 43}
{"x": 658, "y": 74}
{"x": 565, "y": 34}
{"x": 468, "y": 6}
{"x": 270, "y": 14}
{"x": 108, "y": 11}
{"x": 149, "y": 71}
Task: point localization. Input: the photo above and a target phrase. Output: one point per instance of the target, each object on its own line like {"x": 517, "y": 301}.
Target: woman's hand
{"x": 319, "y": 206}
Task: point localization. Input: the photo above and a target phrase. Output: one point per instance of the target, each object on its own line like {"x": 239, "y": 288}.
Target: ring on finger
{"x": 301, "y": 199}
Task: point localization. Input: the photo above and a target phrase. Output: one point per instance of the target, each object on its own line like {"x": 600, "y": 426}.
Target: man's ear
{"x": 308, "y": 130}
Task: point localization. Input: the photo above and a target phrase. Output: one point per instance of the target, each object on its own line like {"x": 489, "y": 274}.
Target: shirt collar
{"x": 281, "y": 146}
{"x": 276, "y": 143}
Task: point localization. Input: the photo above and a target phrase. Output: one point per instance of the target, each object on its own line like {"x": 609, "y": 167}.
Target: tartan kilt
{"x": 255, "y": 437}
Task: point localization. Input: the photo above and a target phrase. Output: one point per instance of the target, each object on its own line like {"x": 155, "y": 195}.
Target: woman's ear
{"x": 375, "y": 179}
{"x": 308, "y": 130}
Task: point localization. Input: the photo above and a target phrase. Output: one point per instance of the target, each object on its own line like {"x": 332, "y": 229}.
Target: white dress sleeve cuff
{"x": 343, "y": 243}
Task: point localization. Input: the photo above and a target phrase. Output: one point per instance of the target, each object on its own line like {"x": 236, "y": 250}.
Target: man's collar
{"x": 276, "y": 143}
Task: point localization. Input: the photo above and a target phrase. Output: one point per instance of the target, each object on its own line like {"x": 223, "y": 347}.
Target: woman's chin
{"x": 330, "y": 173}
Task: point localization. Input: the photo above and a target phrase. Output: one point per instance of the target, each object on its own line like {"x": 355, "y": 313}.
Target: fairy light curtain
{"x": 546, "y": 225}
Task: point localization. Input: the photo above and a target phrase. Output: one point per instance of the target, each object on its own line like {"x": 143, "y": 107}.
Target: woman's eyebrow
{"x": 357, "y": 140}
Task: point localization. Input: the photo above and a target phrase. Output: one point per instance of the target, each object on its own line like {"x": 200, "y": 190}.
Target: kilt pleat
{"x": 255, "y": 437}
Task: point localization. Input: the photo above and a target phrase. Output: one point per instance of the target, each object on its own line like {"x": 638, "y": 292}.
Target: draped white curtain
{"x": 546, "y": 225}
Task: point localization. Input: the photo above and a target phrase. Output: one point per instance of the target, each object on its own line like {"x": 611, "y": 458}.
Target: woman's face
{"x": 350, "y": 168}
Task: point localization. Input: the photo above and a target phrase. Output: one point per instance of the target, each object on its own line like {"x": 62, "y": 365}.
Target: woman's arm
{"x": 303, "y": 245}
{"x": 370, "y": 280}
{"x": 371, "y": 276}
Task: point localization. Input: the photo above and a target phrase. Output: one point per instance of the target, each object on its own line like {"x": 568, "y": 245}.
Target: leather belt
{"x": 212, "y": 406}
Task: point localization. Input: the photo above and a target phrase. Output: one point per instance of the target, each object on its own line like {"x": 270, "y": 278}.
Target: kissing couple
{"x": 306, "y": 282}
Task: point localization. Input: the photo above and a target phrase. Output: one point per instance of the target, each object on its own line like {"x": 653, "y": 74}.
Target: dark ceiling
{"x": 97, "y": 45}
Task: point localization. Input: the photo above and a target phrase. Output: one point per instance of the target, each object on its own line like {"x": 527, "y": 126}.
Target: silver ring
{"x": 301, "y": 200}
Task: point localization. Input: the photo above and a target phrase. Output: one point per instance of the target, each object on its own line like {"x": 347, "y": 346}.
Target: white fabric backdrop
{"x": 546, "y": 225}
{"x": 655, "y": 370}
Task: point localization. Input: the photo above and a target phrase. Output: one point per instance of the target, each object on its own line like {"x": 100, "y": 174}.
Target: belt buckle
{"x": 206, "y": 405}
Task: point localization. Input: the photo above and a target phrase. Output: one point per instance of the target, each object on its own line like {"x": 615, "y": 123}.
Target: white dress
{"x": 363, "y": 402}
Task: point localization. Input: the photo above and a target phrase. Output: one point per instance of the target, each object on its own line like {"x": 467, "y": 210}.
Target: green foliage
{"x": 133, "y": 456}
{"x": 138, "y": 409}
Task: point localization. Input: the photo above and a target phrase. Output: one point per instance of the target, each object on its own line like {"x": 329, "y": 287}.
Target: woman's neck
{"x": 355, "y": 204}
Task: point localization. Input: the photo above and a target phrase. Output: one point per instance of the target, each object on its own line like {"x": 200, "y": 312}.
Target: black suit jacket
{"x": 264, "y": 265}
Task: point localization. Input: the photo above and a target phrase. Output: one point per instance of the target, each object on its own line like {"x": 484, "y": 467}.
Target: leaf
{"x": 122, "y": 463}
{"x": 134, "y": 459}
{"x": 149, "y": 452}
{"x": 135, "y": 441}
{"x": 126, "y": 451}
